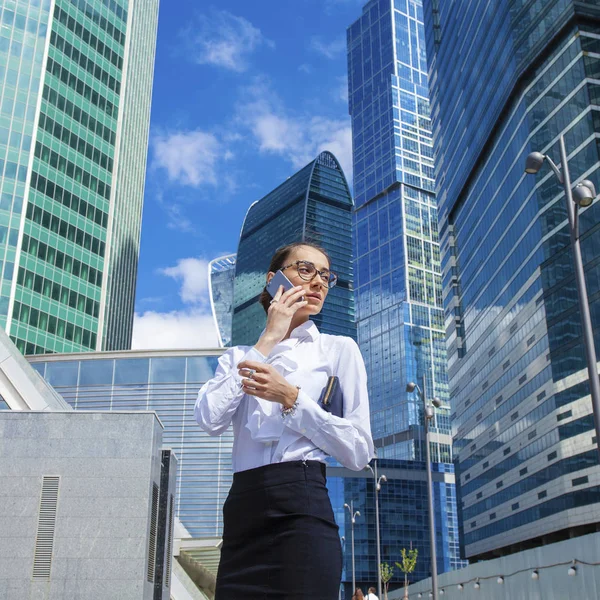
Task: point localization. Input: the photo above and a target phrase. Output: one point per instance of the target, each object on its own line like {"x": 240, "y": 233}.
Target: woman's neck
{"x": 295, "y": 323}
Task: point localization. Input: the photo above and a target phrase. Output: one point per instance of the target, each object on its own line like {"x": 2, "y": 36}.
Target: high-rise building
{"x": 75, "y": 91}
{"x": 508, "y": 78}
{"x": 400, "y": 316}
{"x": 221, "y": 275}
{"x": 315, "y": 204}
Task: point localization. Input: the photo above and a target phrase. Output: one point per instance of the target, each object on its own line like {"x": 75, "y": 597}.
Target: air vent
{"x": 170, "y": 542}
{"x": 44, "y": 542}
{"x": 153, "y": 533}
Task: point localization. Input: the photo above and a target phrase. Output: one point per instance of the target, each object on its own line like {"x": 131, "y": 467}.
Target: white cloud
{"x": 296, "y": 137}
{"x": 191, "y": 327}
{"x": 340, "y": 93}
{"x": 305, "y": 68}
{"x": 192, "y": 273}
{"x": 176, "y": 329}
{"x": 189, "y": 157}
{"x": 331, "y": 49}
{"x": 224, "y": 40}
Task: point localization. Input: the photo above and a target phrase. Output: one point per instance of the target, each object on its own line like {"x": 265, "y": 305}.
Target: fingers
{"x": 252, "y": 364}
{"x": 278, "y": 294}
{"x": 292, "y": 295}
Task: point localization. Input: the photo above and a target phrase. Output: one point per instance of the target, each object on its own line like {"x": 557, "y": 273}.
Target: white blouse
{"x": 261, "y": 435}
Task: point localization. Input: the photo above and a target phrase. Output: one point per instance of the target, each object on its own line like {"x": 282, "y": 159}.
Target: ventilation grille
{"x": 44, "y": 542}
{"x": 169, "y": 543}
{"x": 153, "y": 533}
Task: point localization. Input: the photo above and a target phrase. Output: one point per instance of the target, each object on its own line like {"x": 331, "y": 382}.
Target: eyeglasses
{"x": 308, "y": 271}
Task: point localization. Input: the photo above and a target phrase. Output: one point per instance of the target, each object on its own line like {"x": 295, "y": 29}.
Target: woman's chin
{"x": 310, "y": 310}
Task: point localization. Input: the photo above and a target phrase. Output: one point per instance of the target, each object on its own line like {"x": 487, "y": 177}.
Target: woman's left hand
{"x": 264, "y": 381}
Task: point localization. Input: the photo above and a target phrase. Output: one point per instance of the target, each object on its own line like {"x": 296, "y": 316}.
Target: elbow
{"x": 207, "y": 424}
{"x": 360, "y": 459}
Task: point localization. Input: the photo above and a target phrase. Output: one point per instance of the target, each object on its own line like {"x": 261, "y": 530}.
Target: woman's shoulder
{"x": 338, "y": 342}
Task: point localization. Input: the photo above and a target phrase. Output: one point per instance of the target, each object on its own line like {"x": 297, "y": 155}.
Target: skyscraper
{"x": 398, "y": 284}
{"x": 75, "y": 88}
{"x": 221, "y": 275}
{"x": 524, "y": 439}
{"x": 400, "y": 317}
{"x": 314, "y": 204}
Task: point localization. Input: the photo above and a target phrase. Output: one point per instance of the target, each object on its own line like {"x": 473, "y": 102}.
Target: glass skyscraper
{"x": 398, "y": 284}
{"x": 221, "y": 275}
{"x": 166, "y": 382}
{"x": 313, "y": 204}
{"x": 75, "y": 90}
{"x": 507, "y": 79}
{"x": 397, "y": 281}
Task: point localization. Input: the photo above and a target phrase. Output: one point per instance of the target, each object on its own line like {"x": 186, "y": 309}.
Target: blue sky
{"x": 245, "y": 94}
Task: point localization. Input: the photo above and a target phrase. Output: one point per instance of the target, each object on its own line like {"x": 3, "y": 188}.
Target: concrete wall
{"x": 106, "y": 464}
{"x": 552, "y": 563}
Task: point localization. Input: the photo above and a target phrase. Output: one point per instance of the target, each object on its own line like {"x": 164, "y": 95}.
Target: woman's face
{"x": 315, "y": 290}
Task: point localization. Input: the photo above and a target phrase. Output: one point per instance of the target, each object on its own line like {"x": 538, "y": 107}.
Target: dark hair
{"x": 279, "y": 259}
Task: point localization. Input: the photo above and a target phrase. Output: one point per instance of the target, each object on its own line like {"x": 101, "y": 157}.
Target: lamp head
{"x": 410, "y": 387}
{"x": 436, "y": 402}
{"x": 346, "y": 506}
{"x": 590, "y": 185}
{"x": 534, "y": 162}
{"x": 583, "y": 195}
{"x": 383, "y": 478}
{"x": 428, "y": 413}
{"x": 357, "y": 514}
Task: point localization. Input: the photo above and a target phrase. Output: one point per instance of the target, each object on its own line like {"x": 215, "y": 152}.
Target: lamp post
{"x": 343, "y": 538}
{"x": 428, "y": 416}
{"x": 582, "y": 196}
{"x": 378, "y": 482}
{"x": 353, "y": 516}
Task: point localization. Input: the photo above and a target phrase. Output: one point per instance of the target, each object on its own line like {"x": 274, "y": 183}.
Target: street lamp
{"x": 353, "y": 516}
{"x": 583, "y": 195}
{"x": 378, "y": 482}
{"x": 428, "y": 416}
{"x": 343, "y": 538}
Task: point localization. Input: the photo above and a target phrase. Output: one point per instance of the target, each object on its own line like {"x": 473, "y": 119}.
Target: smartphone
{"x": 280, "y": 279}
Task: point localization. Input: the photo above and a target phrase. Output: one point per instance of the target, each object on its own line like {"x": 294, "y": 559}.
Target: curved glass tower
{"x": 522, "y": 423}
{"x": 313, "y": 204}
{"x": 221, "y": 274}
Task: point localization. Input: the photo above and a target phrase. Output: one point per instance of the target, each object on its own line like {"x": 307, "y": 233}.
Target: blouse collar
{"x": 307, "y": 329}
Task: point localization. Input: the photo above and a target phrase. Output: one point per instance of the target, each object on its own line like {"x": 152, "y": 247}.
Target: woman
{"x": 358, "y": 594}
{"x": 280, "y": 540}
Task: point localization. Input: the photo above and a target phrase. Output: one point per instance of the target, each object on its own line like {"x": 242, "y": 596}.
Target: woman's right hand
{"x": 279, "y": 317}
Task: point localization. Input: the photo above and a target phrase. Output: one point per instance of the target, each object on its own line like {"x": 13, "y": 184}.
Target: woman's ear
{"x": 270, "y": 276}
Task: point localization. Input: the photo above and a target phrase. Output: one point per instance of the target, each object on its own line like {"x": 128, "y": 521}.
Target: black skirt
{"x": 280, "y": 540}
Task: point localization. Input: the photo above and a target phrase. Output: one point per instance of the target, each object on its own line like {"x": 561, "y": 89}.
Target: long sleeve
{"x": 220, "y": 397}
{"x": 347, "y": 439}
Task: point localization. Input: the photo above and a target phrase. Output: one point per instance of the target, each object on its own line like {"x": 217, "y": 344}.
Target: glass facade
{"x": 398, "y": 293}
{"x": 75, "y": 88}
{"x": 313, "y": 204}
{"x": 403, "y": 520}
{"x": 523, "y": 433}
{"x": 168, "y": 383}
{"x": 400, "y": 315}
{"x": 221, "y": 275}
